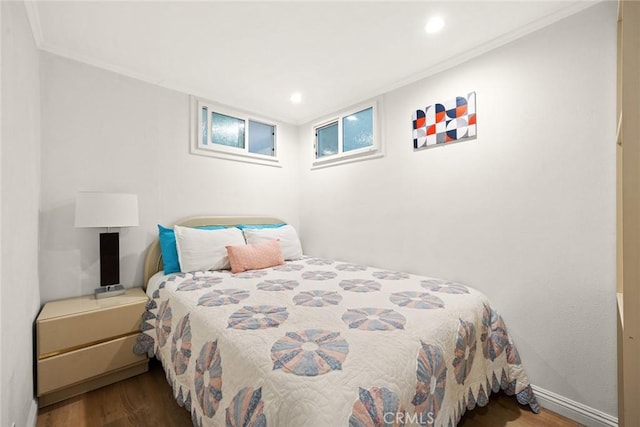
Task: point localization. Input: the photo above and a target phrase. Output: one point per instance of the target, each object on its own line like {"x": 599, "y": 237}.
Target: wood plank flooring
{"x": 147, "y": 400}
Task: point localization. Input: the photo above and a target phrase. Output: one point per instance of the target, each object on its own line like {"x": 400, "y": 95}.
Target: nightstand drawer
{"x": 66, "y": 333}
{"x": 60, "y": 371}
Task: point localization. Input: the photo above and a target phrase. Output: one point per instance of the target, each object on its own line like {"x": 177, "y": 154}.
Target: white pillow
{"x": 200, "y": 250}
{"x": 289, "y": 242}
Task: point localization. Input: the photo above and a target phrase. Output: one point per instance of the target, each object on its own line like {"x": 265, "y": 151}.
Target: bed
{"x": 319, "y": 342}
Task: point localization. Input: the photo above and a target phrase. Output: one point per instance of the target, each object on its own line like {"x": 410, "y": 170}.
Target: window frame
{"x": 225, "y": 151}
{"x": 375, "y": 150}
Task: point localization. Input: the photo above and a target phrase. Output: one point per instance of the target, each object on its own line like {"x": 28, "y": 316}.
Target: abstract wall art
{"x": 445, "y": 122}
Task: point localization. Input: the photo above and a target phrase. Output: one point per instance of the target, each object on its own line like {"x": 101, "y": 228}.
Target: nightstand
{"x": 85, "y": 343}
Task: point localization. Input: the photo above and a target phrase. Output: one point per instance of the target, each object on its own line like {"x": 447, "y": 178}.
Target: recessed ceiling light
{"x": 434, "y": 25}
{"x": 296, "y": 98}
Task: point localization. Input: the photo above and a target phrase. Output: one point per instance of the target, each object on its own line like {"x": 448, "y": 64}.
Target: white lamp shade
{"x": 106, "y": 210}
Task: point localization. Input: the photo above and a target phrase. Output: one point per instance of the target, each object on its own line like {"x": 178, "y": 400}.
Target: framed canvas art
{"x": 445, "y": 122}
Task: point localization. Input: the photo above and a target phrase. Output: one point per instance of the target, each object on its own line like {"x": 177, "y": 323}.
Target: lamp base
{"x": 109, "y": 291}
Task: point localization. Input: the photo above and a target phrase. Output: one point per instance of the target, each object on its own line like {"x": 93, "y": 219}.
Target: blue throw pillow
{"x": 170, "y": 251}
{"x": 258, "y": 226}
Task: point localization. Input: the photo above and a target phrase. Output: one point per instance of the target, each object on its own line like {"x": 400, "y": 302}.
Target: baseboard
{"x": 579, "y": 412}
{"x": 33, "y": 413}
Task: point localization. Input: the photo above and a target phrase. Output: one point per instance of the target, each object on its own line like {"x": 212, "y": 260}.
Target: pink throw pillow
{"x": 255, "y": 256}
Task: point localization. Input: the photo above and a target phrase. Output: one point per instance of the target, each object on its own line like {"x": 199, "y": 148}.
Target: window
{"x": 348, "y": 136}
{"x": 262, "y": 138}
{"x": 327, "y": 143}
{"x": 229, "y": 134}
{"x": 226, "y": 130}
{"x": 357, "y": 130}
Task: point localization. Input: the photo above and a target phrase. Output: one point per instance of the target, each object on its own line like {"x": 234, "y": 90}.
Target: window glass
{"x": 327, "y": 140}
{"x": 227, "y": 130}
{"x": 262, "y": 138}
{"x": 203, "y": 128}
{"x": 357, "y": 130}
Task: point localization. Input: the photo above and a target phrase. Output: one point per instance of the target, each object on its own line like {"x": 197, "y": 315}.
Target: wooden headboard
{"x": 153, "y": 260}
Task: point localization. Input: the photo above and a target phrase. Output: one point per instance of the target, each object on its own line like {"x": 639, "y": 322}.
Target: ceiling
{"x": 254, "y": 55}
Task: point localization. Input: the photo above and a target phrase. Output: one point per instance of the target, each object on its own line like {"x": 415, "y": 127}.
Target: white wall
{"x": 524, "y": 213}
{"x": 105, "y": 132}
{"x": 20, "y": 199}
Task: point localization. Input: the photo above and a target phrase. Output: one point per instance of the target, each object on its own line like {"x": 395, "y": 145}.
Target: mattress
{"x": 318, "y": 342}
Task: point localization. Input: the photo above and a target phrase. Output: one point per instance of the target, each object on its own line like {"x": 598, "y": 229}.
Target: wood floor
{"x": 146, "y": 400}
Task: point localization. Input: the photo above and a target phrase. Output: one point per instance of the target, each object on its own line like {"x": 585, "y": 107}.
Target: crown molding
{"x": 154, "y": 80}
{"x": 574, "y": 8}
{"x": 469, "y": 54}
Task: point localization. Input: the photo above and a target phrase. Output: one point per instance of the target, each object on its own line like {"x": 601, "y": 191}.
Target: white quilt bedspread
{"x": 316, "y": 342}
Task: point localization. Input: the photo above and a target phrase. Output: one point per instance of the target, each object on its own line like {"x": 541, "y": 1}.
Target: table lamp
{"x": 107, "y": 210}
